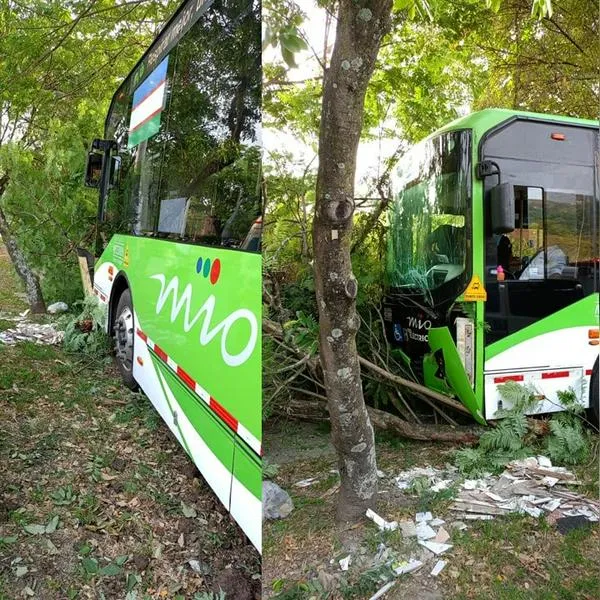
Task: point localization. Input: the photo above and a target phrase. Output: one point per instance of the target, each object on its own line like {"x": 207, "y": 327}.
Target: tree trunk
{"x": 361, "y": 25}
{"x": 316, "y": 411}
{"x": 32, "y": 284}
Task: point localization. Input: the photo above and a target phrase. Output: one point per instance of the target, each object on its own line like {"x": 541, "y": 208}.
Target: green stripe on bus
{"x": 145, "y": 131}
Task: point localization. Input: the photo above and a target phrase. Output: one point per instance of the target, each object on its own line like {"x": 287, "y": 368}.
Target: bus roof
{"x": 484, "y": 120}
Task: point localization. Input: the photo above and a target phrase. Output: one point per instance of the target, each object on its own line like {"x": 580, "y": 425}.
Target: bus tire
{"x": 124, "y": 335}
{"x": 594, "y": 397}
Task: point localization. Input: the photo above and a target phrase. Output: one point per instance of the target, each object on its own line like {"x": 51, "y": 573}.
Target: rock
{"x": 200, "y": 567}
{"x": 58, "y": 307}
{"x": 277, "y": 503}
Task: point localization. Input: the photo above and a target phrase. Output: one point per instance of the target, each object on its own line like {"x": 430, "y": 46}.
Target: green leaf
{"x": 11, "y": 539}
{"x": 188, "y": 511}
{"x": 35, "y": 529}
{"x": 90, "y": 566}
{"x": 52, "y": 525}
{"x": 292, "y": 41}
{"x": 288, "y": 57}
{"x": 132, "y": 581}
{"x": 111, "y": 570}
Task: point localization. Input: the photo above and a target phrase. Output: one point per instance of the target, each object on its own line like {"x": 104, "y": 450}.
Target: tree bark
{"x": 316, "y": 410}
{"x": 361, "y": 26}
{"x": 33, "y": 290}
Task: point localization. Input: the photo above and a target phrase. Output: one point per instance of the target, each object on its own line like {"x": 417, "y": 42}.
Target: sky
{"x": 370, "y": 154}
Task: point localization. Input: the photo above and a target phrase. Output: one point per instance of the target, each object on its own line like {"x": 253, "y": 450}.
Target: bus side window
{"x": 209, "y": 189}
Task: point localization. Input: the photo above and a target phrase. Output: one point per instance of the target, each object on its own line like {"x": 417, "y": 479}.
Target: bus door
{"x": 541, "y": 275}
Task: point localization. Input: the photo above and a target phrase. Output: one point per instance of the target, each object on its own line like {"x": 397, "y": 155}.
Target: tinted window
{"x": 197, "y": 177}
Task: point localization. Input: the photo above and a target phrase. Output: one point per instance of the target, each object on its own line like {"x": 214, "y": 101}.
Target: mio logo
{"x": 207, "y": 331}
{"x": 417, "y": 323}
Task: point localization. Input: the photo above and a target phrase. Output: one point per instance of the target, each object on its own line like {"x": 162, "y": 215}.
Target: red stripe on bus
{"x": 555, "y": 374}
{"x": 226, "y": 416}
{"x": 508, "y": 378}
{"x": 588, "y": 371}
{"x": 140, "y": 102}
{"x": 186, "y": 378}
{"x": 219, "y": 410}
{"x": 160, "y": 353}
{"x": 148, "y": 118}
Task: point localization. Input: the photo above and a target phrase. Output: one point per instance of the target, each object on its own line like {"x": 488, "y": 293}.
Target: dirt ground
{"x": 515, "y": 557}
{"x": 97, "y": 499}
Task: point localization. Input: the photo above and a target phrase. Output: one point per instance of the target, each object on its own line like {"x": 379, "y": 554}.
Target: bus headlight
{"x": 465, "y": 342}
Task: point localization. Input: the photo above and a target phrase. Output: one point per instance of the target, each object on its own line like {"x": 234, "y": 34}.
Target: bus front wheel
{"x": 124, "y": 332}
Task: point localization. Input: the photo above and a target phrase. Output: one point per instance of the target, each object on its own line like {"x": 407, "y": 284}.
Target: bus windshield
{"x": 428, "y": 215}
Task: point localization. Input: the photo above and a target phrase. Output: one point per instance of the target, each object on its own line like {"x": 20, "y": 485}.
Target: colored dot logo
{"x": 208, "y": 268}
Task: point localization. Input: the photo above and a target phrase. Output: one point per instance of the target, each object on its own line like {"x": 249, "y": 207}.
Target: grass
{"x": 519, "y": 557}
{"x": 77, "y": 445}
{"x": 9, "y": 283}
{"x": 510, "y": 558}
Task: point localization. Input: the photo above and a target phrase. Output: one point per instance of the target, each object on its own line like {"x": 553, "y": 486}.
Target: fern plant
{"x": 506, "y": 441}
{"x": 567, "y": 443}
{"x": 84, "y": 333}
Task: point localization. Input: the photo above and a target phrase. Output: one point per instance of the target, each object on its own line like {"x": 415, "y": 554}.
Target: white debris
{"x": 437, "y": 479}
{"x": 439, "y": 567}
{"x": 552, "y": 505}
{"x": 408, "y": 567}
{"x": 435, "y": 547}
{"x": 474, "y": 484}
{"x": 442, "y": 536}
{"x": 436, "y": 522}
{"x": 37, "y": 333}
{"x": 424, "y": 532}
{"x": 531, "y": 486}
{"x": 306, "y": 482}
{"x": 380, "y": 593}
{"x": 441, "y": 485}
{"x": 423, "y": 517}
{"x": 544, "y": 461}
{"x": 408, "y": 529}
{"x": 381, "y": 522}
{"x": 549, "y": 481}
{"x": 195, "y": 566}
{"x": 345, "y": 562}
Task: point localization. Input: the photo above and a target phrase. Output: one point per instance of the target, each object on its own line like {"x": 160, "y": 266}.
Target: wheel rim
{"x": 124, "y": 338}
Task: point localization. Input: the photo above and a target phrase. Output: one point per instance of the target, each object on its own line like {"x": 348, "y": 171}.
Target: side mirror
{"x": 93, "y": 169}
{"x": 502, "y": 204}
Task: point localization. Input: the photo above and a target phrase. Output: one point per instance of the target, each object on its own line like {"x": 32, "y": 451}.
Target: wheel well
{"x": 119, "y": 286}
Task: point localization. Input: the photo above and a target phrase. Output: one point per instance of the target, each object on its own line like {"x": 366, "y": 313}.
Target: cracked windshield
{"x": 427, "y": 242}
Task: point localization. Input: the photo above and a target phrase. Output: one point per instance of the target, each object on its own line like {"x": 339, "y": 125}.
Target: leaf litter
{"x": 95, "y": 493}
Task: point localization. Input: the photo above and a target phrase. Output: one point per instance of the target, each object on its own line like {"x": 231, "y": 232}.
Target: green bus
{"x": 493, "y": 267}
{"x": 178, "y": 247}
